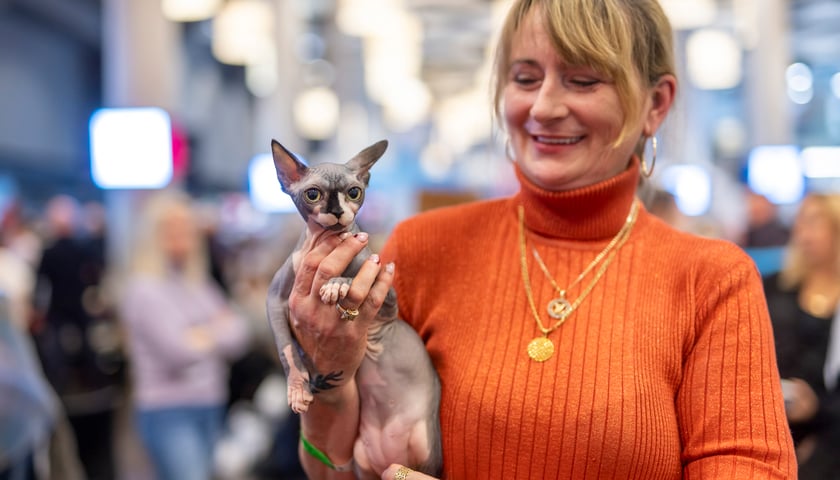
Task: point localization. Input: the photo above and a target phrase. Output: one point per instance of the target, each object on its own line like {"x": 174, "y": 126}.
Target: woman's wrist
{"x": 331, "y": 426}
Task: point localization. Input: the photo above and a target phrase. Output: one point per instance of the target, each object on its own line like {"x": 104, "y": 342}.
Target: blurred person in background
{"x": 181, "y": 337}
{"x": 658, "y": 364}
{"x": 69, "y": 340}
{"x": 17, "y": 280}
{"x": 18, "y": 236}
{"x": 764, "y": 227}
{"x": 27, "y": 406}
{"x": 663, "y": 204}
{"x": 803, "y": 301}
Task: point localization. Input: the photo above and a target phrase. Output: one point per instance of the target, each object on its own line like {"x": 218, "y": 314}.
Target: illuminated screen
{"x": 130, "y": 148}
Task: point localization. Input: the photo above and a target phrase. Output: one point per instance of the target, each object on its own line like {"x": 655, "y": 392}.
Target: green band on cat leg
{"x": 322, "y": 457}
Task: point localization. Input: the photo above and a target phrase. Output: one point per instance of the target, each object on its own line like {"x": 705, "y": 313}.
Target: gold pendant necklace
{"x": 541, "y": 348}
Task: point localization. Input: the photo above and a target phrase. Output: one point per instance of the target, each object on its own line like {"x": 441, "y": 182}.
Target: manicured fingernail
{"x": 374, "y": 258}
{"x": 389, "y": 267}
{"x": 344, "y": 236}
{"x": 362, "y": 236}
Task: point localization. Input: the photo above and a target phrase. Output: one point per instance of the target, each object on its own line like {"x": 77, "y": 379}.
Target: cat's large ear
{"x": 289, "y": 168}
{"x": 365, "y": 159}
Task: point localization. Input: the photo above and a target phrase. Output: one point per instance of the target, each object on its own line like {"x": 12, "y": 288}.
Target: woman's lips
{"x": 557, "y": 140}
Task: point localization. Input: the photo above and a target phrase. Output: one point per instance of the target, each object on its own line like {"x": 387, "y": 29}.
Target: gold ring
{"x": 402, "y": 473}
{"x": 348, "y": 314}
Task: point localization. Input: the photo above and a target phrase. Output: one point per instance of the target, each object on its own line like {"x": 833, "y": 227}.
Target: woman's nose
{"x": 550, "y": 101}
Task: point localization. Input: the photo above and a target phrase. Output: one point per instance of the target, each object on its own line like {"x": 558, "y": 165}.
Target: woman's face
{"x": 814, "y": 234}
{"x": 563, "y": 120}
{"x": 178, "y": 234}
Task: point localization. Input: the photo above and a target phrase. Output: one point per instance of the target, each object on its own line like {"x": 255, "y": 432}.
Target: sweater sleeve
{"x": 729, "y": 404}
{"x": 230, "y": 329}
{"x": 154, "y": 326}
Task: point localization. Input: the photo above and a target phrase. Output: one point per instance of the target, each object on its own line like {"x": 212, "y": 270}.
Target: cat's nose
{"x": 337, "y": 212}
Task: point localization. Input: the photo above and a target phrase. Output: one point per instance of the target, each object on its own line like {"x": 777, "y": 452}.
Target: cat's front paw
{"x": 334, "y": 290}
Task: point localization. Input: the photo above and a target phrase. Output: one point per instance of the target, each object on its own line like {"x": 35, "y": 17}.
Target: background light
{"x": 316, "y": 113}
{"x": 835, "y": 84}
{"x": 189, "y": 10}
{"x": 821, "y": 162}
{"x": 264, "y": 188}
{"x": 800, "y": 83}
{"x": 131, "y": 148}
{"x": 691, "y": 186}
{"x": 243, "y": 32}
{"x": 775, "y": 172}
{"x": 714, "y": 59}
{"x": 689, "y": 14}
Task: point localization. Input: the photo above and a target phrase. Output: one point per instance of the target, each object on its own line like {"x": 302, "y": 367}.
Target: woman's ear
{"x": 661, "y": 98}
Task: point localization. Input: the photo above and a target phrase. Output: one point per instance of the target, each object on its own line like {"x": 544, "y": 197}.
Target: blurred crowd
{"x": 164, "y": 368}
{"x": 167, "y": 368}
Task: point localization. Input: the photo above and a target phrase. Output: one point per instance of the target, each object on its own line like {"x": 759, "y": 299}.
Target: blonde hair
{"x": 795, "y": 268}
{"x": 628, "y": 40}
{"x": 148, "y": 256}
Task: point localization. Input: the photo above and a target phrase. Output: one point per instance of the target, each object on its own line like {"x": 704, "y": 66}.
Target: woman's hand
{"x": 336, "y": 347}
{"x": 399, "y": 472}
{"x": 801, "y": 403}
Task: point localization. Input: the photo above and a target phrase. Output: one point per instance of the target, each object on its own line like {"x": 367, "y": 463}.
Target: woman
{"x": 181, "y": 334}
{"x": 803, "y": 298}
{"x": 576, "y": 336}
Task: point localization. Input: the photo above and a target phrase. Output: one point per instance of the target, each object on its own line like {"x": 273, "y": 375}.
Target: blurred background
{"x": 106, "y": 101}
{"x": 328, "y": 77}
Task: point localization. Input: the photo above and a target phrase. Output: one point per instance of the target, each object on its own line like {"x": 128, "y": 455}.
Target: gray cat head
{"x": 327, "y": 194}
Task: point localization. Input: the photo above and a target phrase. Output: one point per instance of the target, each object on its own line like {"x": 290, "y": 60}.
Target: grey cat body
{"x": 399, "y": 389}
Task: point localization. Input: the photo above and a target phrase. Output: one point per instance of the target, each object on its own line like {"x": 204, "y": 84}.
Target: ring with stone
{"x": 348, "y": 314}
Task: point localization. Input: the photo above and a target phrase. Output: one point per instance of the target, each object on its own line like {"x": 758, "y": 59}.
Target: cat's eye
{"x": 312, "y": 195}
{"x": 354, "y": 193}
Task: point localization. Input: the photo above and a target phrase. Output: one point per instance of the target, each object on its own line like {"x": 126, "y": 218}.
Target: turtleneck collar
{"x": 589, "y": 213}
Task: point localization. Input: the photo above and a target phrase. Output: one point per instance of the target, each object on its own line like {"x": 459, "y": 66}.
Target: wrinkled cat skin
{"x": 398, "y": 388}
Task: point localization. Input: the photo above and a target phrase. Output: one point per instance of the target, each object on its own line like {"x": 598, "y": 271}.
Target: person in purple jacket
{"x": 181, "y": 335}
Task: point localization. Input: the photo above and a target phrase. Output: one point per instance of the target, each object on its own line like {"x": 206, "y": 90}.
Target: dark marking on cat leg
{"x": 324, "y": 382}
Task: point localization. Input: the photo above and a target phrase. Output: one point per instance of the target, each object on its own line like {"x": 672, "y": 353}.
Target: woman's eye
{"x": 312, "y": 195}
{"x": 584, "y": 82}
{"x": 524, "y": 80}
{"x": 354, "y": 193}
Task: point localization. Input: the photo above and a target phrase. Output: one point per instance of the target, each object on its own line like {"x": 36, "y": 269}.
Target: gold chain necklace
{"x": 541, "y": 348}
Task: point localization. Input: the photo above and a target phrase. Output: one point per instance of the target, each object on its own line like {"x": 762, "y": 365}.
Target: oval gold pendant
{"x": 540, "y": 349}
{"x": 559, "y": 308}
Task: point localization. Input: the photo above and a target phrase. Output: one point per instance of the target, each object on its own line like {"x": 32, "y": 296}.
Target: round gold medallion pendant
{"x": 540, "y": 349}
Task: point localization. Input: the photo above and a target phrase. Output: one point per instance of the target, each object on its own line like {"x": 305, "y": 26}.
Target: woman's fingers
{"x": 399, "y": 472}
{"x": 370, "y": 285}
{"x": 326, "y": 260}
{"x": 379, "y": 290}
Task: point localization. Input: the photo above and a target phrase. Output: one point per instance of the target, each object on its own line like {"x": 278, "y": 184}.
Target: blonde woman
{"x": 181, "y": 334}
{"x": 575, "y": 335}
{"x": 803, "y": 298}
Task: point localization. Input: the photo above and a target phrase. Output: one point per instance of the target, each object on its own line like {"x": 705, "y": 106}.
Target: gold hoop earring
{"x": 647, "y": 172}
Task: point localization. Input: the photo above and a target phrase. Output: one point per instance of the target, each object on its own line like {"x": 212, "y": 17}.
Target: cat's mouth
{"x": 338, "y": 227}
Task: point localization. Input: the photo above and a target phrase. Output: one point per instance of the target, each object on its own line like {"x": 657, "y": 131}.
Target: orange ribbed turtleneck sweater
{"x": 665, "y": 371}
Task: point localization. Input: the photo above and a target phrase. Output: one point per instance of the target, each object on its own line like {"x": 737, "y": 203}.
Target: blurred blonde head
{"x": 169, "y": 238}
{"x": 630, "y": 41}
{"x": 815, "y": 239}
